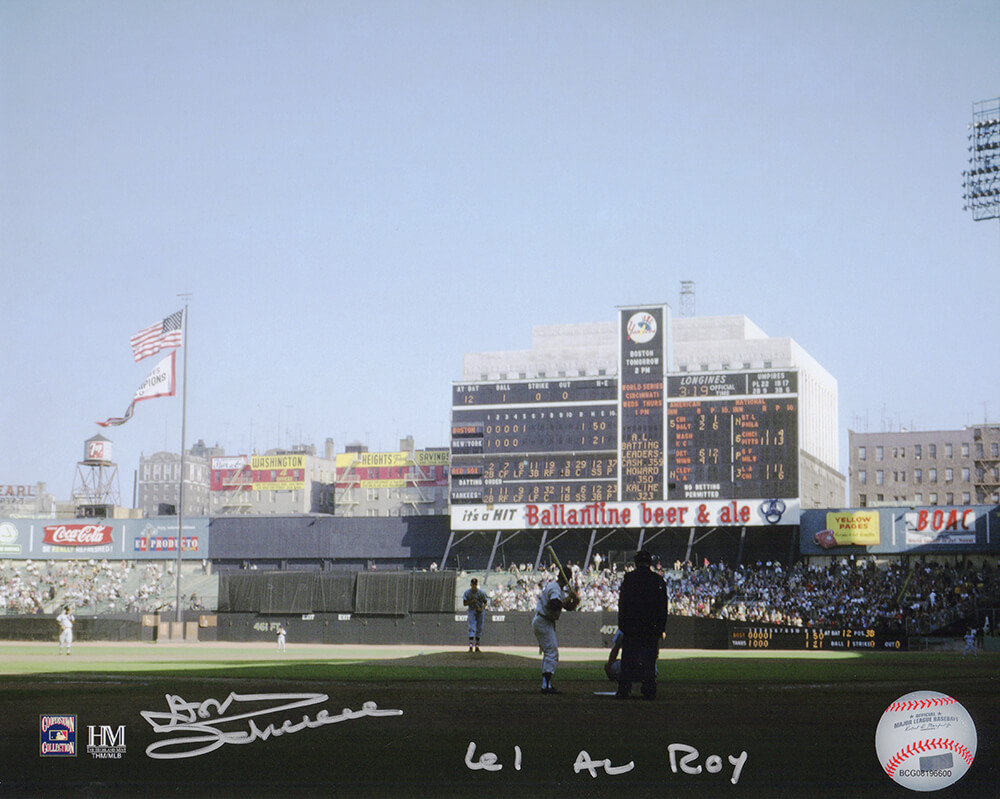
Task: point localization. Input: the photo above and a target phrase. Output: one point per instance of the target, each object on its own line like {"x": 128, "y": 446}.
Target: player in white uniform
{"x": 282, "y": 634}
{"x": 970, "y": 643}
{"x": 475, "y": 600}
{"x": 65, "y": 621}
{"x": 551, "y": 602}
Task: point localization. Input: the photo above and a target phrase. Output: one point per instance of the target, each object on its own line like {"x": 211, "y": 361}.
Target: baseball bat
{"x": 555, "y": 559}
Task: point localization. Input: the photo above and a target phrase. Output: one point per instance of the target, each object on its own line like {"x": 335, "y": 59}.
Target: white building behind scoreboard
{"x": 700, "y": 344}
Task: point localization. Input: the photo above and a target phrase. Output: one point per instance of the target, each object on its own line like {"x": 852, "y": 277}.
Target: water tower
{"x": 95, "y": 489}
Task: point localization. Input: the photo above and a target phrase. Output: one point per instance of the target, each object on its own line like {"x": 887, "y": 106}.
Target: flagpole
{"x": 180, "y": 493}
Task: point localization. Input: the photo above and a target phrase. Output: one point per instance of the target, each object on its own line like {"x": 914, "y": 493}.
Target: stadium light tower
{"x": 687, "y": 298}
{"x": 982, "y": 178}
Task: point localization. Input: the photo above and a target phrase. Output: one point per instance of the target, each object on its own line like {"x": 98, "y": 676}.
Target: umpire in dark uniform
{"x": 642, "y": 618}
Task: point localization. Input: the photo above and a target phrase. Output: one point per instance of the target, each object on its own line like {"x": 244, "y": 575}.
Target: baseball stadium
{"x": 773, "y": 672}
{"x": 334, "y": 650}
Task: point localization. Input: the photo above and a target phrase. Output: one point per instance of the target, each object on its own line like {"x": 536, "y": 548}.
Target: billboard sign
{"x": 846, "y": 528}
{"x": 630, "y": 515}
{"x": 889, "y": 530}
{"x": 940, "y": 526}
{"x": 129, "y": 539}
{"x": 278, "y": 472}
{"x": 392, "y": 469}
{"x": 259, "y": 473}
{"x": 77, "y": 535}
{"x": 229, "y": 463}
{"x": 231, "y": 473}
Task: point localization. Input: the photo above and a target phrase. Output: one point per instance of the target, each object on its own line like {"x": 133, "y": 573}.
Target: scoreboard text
{"x": 539, "y": 441}
{"x": 746, "y": 636}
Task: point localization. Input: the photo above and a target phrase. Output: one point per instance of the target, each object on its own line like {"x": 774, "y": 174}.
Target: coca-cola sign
{"x": 78, "y": 535}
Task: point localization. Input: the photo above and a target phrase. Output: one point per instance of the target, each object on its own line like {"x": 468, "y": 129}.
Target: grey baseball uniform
{"x": 475, "y": 600}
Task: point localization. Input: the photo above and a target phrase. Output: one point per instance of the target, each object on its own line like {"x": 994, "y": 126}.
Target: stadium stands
{"x": 858, "y": 593}
{"x": 918, "y": 598}
{"x": 96, "y": 587}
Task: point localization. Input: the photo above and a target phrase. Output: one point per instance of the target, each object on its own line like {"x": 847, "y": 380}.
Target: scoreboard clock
{"x": 746, "y": 636}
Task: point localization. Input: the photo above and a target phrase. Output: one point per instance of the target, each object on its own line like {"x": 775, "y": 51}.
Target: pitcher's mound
{"x": 469, "y": 659}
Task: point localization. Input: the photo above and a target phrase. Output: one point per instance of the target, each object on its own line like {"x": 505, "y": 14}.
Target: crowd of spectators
{"x": 861, "y": 593}
{"x": 88, "y": 586}
{"x": 856, "y": 593}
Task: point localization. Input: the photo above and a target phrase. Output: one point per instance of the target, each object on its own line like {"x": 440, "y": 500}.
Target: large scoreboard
{"x": 646, "y": 447}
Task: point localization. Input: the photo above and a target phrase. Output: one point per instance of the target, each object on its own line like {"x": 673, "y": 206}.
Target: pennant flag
{"x": 161, "y": 336}
{"x": 161, "y": 382}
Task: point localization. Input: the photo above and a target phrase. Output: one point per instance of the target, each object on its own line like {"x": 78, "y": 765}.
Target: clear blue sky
{"x": 357, "y": 193}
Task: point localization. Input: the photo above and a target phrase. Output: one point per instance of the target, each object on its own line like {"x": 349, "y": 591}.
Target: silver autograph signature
{"x": 204, "y": 719}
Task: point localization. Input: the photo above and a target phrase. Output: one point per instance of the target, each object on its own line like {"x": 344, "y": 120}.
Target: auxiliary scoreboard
{"x": 748, "y": 636}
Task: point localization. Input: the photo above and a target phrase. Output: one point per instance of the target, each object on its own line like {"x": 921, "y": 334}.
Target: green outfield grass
{"x": 805, "y": 720}
{"x": 414, "y": 662}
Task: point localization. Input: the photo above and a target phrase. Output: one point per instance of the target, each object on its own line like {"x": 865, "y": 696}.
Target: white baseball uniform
{"x": 281, "y": 638}
{"x": 544, "y": 625}
{"x": 65, "y": 621}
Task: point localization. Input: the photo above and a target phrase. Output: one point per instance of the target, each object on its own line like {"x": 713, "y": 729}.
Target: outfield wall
{"x": 124, "y": 627}
{"x": 586, "y": 630}
{"x": 590, "y": 630}
{"x": 370, "y": 593}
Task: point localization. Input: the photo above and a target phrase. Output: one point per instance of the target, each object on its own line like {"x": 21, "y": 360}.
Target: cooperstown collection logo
{"x": 58, "y": 735}
{"x": 59, "y": 738}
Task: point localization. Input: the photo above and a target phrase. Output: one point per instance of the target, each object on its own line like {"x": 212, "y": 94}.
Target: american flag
{"x": 161, "y": 336}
